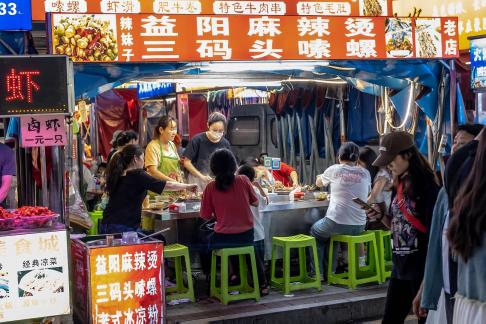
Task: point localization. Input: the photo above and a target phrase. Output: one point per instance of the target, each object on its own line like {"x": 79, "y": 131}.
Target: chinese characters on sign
{"x": 34, "y": 270}
{"x": 217, "y": 7}
{"x": 142, "y": 37}
{"x": 34, "y": 85}
{"x": 48, "y": 130}
{"x": 478, "y": 62}
{"x": 126, "y": 284}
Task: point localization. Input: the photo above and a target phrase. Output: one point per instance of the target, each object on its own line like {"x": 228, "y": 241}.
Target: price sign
{"x": 15, "y": 15}
{"x": 48, "y": 130}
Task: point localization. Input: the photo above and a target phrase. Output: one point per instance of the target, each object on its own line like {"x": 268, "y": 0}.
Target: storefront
{"x": 34, "y": 241}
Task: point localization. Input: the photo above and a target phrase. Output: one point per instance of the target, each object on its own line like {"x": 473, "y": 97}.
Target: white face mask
{"x": 215, "y": 136}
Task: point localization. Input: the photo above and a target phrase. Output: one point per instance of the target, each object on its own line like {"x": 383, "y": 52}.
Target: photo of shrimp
{"x": 373, "y": 8}
{"x": 429, "y": 38}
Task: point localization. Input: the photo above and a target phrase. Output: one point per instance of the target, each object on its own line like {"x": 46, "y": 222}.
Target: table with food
{"x": 290, "y": 211}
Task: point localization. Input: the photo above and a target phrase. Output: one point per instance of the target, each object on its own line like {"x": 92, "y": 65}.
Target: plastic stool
{"x": 177, "y": 252}
{"x": 95, "y": 216}
{"x": 383, "y": 241}
{"x": 223, "y": 292}
{"x": 355, "y": 275}
{"x": 302, "y": 281}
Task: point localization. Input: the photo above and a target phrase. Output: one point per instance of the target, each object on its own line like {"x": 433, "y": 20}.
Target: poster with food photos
{"x": 34, "y": 276}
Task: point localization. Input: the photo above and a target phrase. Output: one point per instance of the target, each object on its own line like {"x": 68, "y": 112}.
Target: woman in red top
{"x": 227, "y": 200}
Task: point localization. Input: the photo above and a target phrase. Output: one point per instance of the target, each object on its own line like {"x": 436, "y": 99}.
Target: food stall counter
{"x": 282, "y": 218}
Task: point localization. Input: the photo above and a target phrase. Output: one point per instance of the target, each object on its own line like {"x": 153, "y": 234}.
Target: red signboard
{"x": 145, "y": 38}
{"x": 217, "y": 7}
{"x": 126, "y": 284}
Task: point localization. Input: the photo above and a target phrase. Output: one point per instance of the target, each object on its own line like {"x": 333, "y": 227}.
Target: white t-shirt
{"x": 347, "y": 182}
{"x": 257, "y": 216}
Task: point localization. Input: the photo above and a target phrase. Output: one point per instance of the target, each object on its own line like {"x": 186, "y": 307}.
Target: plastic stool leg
{"x": 212, "y": 292}
{"x": 302, "y": 264}
{"x": 330, "y": 274}
{"x": 224, "y": 279}
{"x": 274, "y": 262}
{"x": 256, "y": 284}
{"x": 286, "y": 271}
{"x": 190, "y": 285}
{"x": 178, "y": 273}
{"x": 352, "y": 265}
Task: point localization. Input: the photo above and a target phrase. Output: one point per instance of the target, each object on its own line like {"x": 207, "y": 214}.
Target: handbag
{"x": 407, "y": 213}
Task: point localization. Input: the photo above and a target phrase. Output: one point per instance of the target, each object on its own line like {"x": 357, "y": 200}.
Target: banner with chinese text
{"x": 125, "y": 284}
{"x": 34, "y": 276}
{"x": 478, "y": 62}
{"x": 43, "y": 130}
{"x": 216, "y": 7}
{"x": 145, "y": 38}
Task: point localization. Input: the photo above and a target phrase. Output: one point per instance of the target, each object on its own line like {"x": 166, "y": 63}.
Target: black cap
{"x": 391, "y": 145}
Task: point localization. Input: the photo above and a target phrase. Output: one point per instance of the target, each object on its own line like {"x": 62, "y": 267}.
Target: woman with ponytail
{"x": 347, "y": 180}
{"x": 467, "y": 237}
{"x": 127, "y": 184}
{"x": 227, "y": 199}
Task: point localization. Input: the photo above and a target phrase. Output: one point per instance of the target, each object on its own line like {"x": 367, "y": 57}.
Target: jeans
{"x": 322, "y": 231}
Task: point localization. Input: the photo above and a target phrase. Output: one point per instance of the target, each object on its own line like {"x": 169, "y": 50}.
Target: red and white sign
{"x": 43, "y": 130}
{"x": 126, "y": 284}
{"x": 145, "y": 38}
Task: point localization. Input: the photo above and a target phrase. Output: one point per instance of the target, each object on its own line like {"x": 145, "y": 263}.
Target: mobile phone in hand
{"x": 364, "y": 205}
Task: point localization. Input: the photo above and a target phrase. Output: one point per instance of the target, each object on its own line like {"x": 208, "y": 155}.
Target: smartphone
{"x": 364, "y": 205}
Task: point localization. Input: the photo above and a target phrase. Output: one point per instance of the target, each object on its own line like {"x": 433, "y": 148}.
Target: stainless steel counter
{"x": 283, "y": 218}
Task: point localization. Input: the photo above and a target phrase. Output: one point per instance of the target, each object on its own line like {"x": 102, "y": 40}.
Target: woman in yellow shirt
{"x": 161, "y": 158}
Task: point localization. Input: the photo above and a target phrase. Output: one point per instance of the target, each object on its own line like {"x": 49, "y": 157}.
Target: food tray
{"x": 8, "y": 224}
{"x": 32, "y": 222}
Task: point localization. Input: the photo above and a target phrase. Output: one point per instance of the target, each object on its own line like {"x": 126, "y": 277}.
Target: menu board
{"x": 43, "y": 130}
{"x": 126, "y": 284}
{"x": 34, "y": 276}
{"x": 145, "y": 38}
{"x": 216, "y": 7}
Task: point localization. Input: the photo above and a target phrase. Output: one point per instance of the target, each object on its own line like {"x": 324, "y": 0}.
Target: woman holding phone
{"x": 409, "y": 216}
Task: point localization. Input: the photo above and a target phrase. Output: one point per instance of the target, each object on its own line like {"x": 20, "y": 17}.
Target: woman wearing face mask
{"x": 161, "y": 157}
{"x": 127, "y": 184}
{"x": 409, "y": 217}
{"x": 200, "y": 148}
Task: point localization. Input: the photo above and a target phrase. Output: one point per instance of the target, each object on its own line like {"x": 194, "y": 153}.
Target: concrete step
{"x": 332, "y": 305}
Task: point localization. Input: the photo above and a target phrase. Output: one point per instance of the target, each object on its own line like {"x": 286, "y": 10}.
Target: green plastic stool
{"x": 245, "y": 290}
{"x": 383, "y": 240}
{"x": 302, "y": 281}
{"x": 356, "y": 275}
{"x": 95, "y": 216}
{"x": 177, "y": 252}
